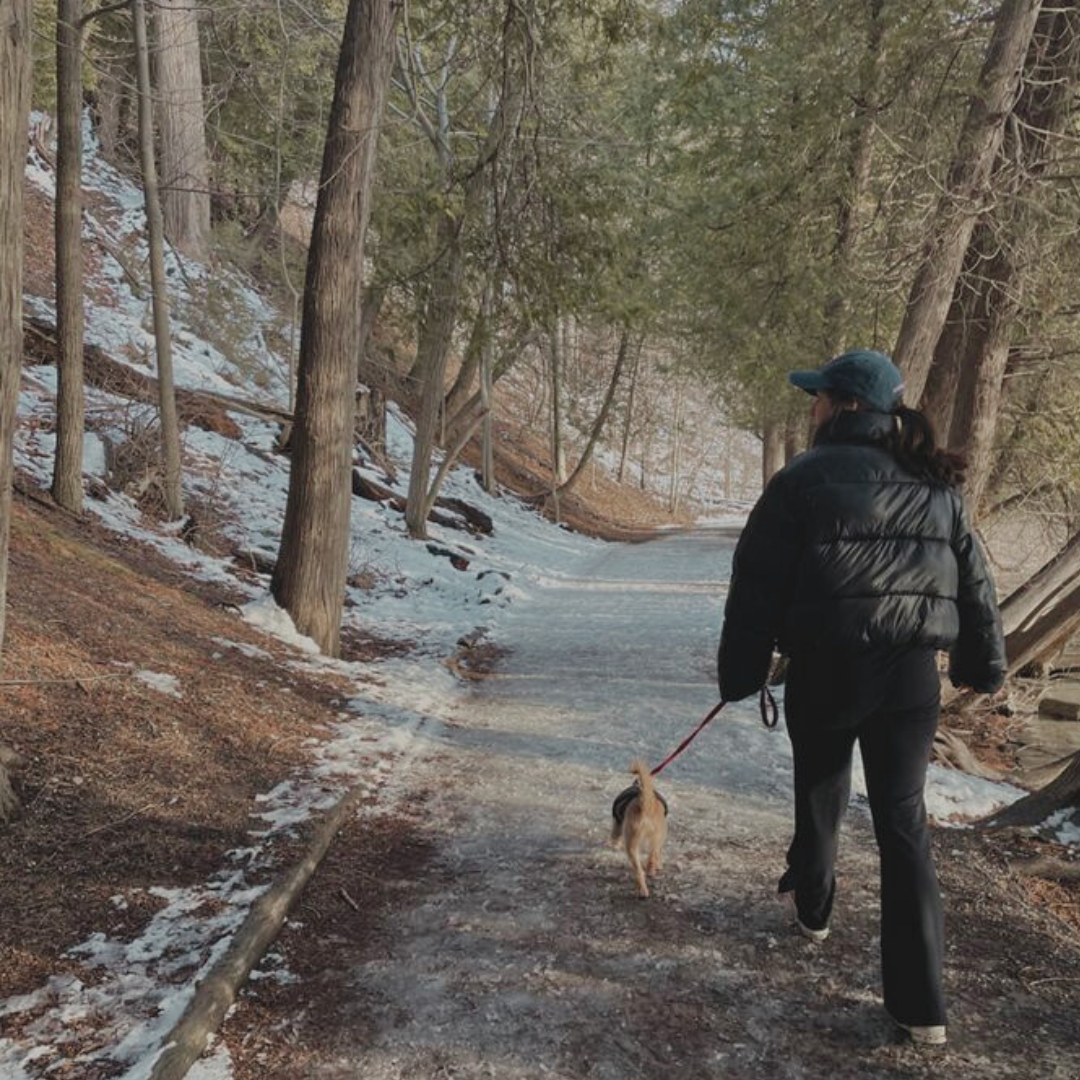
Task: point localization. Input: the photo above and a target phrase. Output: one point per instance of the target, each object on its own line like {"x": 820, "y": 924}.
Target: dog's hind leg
{"x": 656, "y": 862}
{"x": 639, "y": 871}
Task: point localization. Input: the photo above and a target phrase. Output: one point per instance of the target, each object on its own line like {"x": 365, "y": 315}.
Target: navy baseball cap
{"x": 865, "y": 374}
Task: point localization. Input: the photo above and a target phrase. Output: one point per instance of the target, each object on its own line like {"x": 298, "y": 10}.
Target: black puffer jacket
{"x": 847, "y": 552}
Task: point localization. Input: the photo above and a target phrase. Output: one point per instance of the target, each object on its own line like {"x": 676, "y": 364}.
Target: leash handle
{"x": 770, "y": 716}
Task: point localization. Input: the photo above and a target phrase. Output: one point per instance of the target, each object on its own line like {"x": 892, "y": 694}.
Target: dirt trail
{"x": 497, "y": 936}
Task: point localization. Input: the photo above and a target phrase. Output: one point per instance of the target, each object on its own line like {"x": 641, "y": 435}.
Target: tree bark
{"x": 629, "y": 418}
{"x": 487, "y": 424}
{"x": 170, "y": 427}
{"x": 943, "y": 379}
{"x": 772, "y": 450}
{"x": 16, "y": 30}
{"x": 676, "y": 451}
{"x": 963, "y": 198}
{"x": 462, "y": 387}
{"x": 558, "y": 444}
{"x": 309, "y": 579}
{"x": 111, "y": 102}
{"x": 67, "y": 486}
{"x": 185, "y": 170}
{"x": 432, "y": 352}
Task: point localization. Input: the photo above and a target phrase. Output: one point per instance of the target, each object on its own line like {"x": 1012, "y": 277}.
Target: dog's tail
{"x": 648, "y": 793}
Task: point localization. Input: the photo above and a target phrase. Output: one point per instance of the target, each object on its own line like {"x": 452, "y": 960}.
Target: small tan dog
{"x": 639, "y": 820}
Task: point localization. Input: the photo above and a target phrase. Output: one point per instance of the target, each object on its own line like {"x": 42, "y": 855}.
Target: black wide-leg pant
{"x": 895, "y": 737}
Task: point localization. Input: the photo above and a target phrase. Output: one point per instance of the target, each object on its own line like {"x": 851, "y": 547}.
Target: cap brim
{"x": 810, "y": 381}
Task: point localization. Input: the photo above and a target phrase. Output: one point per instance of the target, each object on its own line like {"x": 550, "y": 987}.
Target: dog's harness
{"x": 626, "y": 797}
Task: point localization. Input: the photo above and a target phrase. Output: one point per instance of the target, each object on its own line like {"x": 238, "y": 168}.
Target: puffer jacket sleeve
{"x": 762, "y": 579}
{"x": 978, "y": 657}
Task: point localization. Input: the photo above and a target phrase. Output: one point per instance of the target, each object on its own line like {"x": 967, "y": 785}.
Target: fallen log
{"x": 202, "y": 408}
{"x": 216, "y": 993}
{"x": 469, "y": 518}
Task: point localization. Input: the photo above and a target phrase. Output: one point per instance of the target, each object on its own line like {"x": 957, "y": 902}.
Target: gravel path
{"x": 508, "y": 941}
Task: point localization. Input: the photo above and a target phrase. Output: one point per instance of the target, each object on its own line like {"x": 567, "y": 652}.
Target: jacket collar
{"x": 856, "y": 426}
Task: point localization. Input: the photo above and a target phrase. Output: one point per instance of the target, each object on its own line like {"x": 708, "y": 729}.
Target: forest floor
{"x": 478, "y": 926}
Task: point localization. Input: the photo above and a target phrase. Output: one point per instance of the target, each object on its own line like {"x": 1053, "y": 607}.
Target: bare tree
{"x": 309, "y": 579}
{"x": 448, "y": 271}
{"x": 15, "y": 69}
{"x": 185, "y": 171}
{"x": 170, "y": 425}
{"x": 605, "y": 410}
{"x": 67, "y": 487}
{"x": 963, "y": 199}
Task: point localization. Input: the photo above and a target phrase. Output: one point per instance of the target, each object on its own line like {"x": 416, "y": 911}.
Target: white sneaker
{"x": 819, "y": 936}
{"x": 930, "y": 1035}
{"x": 814, "y": 935}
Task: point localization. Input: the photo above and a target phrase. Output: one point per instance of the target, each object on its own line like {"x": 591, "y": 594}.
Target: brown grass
{"x": 125, "y": 787}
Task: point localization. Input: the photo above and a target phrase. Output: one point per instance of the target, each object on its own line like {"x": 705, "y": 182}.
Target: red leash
{"x": 769, "y": 717}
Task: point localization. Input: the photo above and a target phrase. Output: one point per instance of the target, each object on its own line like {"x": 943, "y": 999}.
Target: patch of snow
{"x": 161, "y": 682}
{"x": 275, "y": 621}
{"x": 1063, "y": 826}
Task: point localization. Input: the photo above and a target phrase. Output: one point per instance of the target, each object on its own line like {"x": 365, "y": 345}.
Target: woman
{"x": 858, "y": 563}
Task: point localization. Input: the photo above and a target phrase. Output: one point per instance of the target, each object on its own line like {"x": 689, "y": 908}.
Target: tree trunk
{"x": 432, "y": 353}
{"x": 185, "y": 171}
{"x": 943, "y": 380}
{"x": 1035, "y": 808}
{"x": 963, "y": 198}
{"x": 444, "y": 298}
{"x": 1041, "y": 591}
{"x": 9, "y": 801}
{"x": 67, "y": 486}
{"x": 601, "y": 419}
{"x": 860, "y": 152}
{"x": 1047, "y": 635}
{"x": 170, "y": 428}
{"x": 676, "y": 452}
{"x": 487, "y": 427}
{"x": 1042, "y": 112}
{"x": 462, "y": 387}
{"x": 112, "y": 103}
{"x": 558, "y": 446}
{"x": 772, "y": 450}
{"x": 794, "y": 430}
{"x": 309, "y": 579}
{"x": 370, "y": 306}
{"x": 16, "y": 30}
{"x": 629, "y": 418}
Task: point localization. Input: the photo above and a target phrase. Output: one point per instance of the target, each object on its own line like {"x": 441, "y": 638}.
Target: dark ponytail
{"x": 914, "y": 445}
{"x": 911, "y": 440}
